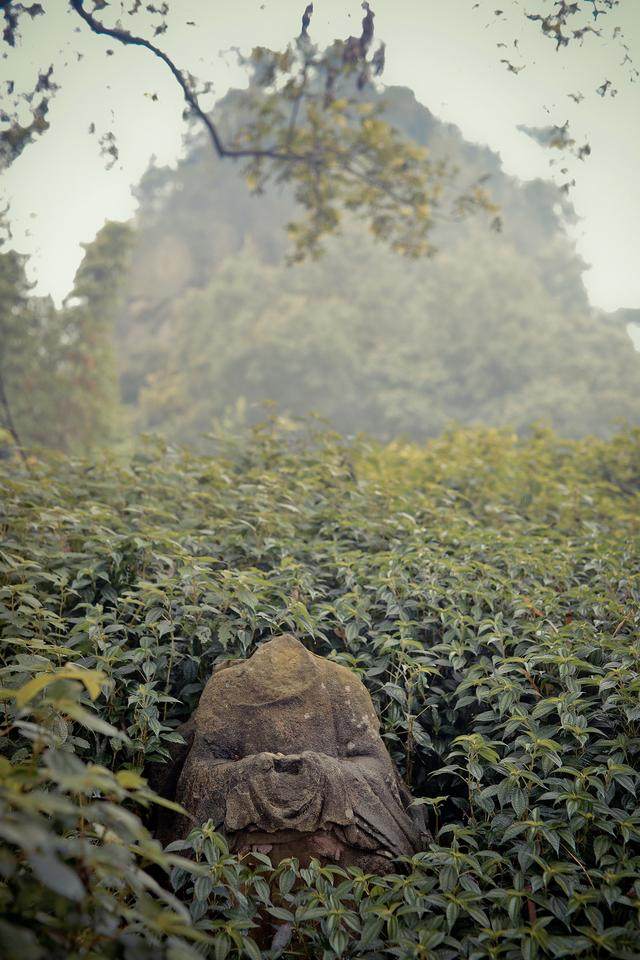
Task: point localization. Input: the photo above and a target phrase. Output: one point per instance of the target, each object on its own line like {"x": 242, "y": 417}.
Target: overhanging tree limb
{"x": 130, "y": 40}
{"x": 310, "y": 127}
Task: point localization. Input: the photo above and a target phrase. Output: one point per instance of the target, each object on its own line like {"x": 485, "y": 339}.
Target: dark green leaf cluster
{"x": 484, "y": 587}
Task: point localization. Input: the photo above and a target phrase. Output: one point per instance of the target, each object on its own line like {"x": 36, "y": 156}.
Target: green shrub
{"x": 484, "y": 587}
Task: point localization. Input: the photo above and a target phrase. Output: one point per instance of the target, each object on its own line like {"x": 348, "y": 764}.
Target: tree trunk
{"x": 8, "y": 420}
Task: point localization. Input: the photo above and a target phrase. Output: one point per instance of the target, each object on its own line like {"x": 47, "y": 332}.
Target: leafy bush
{"x": 486, "y": 590}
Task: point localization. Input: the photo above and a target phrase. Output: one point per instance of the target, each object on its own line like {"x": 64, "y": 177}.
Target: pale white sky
{"x": 445, "y": 50}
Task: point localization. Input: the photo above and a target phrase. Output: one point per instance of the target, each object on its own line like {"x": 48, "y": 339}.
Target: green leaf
{"x": 57, "y": 876}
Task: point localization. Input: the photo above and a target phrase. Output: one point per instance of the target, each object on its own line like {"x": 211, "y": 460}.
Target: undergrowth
{"x": 484, "y": 588}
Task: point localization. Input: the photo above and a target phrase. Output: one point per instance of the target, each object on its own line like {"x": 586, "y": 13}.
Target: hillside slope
{"x": 494, "y": 328}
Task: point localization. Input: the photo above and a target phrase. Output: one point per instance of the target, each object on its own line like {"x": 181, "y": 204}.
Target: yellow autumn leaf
{"x": 31, "y": 689}
{"x": 130, "y": 780}
{"x": 91, "y": 679}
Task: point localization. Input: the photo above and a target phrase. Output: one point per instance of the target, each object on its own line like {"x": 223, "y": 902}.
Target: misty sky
{"x": 445, "y": 50}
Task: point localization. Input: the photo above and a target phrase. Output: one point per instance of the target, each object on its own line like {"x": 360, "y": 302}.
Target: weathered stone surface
{"x": 284, "y": 755}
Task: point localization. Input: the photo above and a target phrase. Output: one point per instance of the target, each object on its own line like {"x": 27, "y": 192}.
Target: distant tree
{"x": 90, "y": 395}
{"x": 58, "y": 380}
{"x": 479, "y": 338}
{"x": 16, "y": 326}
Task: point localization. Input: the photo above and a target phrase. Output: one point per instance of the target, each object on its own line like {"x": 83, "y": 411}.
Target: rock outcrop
{"x": 284, "y": 754}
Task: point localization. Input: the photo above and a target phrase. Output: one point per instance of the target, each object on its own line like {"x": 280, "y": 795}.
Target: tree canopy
{"x": 496, "y": 327}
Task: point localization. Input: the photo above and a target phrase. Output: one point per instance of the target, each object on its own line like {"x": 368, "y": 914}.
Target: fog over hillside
{"x": 496, "y": 327}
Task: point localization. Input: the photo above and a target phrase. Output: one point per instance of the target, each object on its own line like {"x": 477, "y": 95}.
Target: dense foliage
{"x": 486, "y": 590}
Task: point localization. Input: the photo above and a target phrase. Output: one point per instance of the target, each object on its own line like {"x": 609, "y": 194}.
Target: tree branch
{"x": 130, "y": 40}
